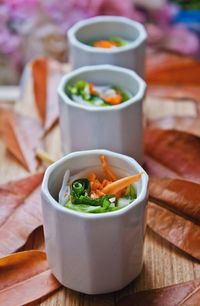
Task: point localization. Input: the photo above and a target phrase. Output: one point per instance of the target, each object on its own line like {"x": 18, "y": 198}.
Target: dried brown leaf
{"x": 184, "y": 294}
{"x": 172, "y": 69}
{"x": 20, "y": 212}
{"x": 24, "y": 278}
{"x": 40, "y": 79}
{"x": 171, "y": 153}
{"x": 174, "y": 213}
{"x": 178, "y": 195}
{"x": 183, "y": 233}
{"x": 21, "y": 135}
{"x": 46, "y": 75}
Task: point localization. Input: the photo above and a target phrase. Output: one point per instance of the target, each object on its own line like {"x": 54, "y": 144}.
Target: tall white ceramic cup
{"x": 104, "y": 27}
{"x": 116, "y": 128}
{"x": 94, "y": 253}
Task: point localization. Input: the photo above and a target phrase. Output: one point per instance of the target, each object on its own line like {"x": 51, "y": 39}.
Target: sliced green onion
{"x": 120, "y": 41}
{"x": 131, "y": 192}
{"x": 80, "y": 187}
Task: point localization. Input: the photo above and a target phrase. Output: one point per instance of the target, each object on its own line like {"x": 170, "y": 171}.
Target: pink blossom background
{"x": 21, "y": 19}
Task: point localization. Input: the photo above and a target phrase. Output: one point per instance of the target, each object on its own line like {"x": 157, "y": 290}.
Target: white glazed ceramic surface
{"x": 130, "y": 56}
{"x": 116, "y": 128}
{"x": 94, "y": 253}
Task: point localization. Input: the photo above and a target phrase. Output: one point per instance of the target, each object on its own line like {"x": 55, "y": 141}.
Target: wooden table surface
{"x": 163, "y": 264}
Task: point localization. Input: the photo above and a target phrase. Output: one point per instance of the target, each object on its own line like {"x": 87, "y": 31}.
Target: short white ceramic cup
{"x": 131, "y": 56}
{"x": 117, "y": 128}
{"x": 94, "y": 253}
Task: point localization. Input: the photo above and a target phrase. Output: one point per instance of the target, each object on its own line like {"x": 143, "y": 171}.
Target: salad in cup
{"x": 97, "y": 190}
{"x": 83, "y": 92}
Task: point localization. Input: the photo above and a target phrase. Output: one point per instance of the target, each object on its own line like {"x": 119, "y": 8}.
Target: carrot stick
{"x": 99, "y": 193}
{"x": 107, "y": 169}
{"x": 91, "y": 89}
{"x": 113, "y": 100}
{"x": 92, "y": 176}
{"x": 104, "y": 44}
{"x": 120, "y": 184}
{"x": 105, "y": 183}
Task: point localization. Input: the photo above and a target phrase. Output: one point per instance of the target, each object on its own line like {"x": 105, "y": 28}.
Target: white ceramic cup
{"x": 117, "y": 128}
{"x": 94, "y": 253}
{"x": 103, "y": 27}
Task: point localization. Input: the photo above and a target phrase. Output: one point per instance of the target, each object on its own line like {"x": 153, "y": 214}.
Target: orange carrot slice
{"x": 107, "y": 169}
{"x": 106, "y": 44}
{"x": 91, "y": 88}
{"x": 92, "y": 176}
{"x": 105, "y": 182}
{"x": 99, "y": 193}
{"x": 120, "y": 184}
{"x": 94, "y": 185}
{"x": 113, "y": 100}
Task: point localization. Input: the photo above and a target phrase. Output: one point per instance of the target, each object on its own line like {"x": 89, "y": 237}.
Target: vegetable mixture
{"x": 86, "y": 192}
{"x": 84, "y": 92}
{"x": 112, "y": 42}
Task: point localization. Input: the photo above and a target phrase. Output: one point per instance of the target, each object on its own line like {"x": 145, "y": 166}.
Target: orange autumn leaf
{"x": 21, "y": 135}
{"x": 179, "y": 231}
{"x": 171, "y": 153}
{"x": 46, "y": 75}
{"x": 185, "y": 123}
{"x": 173, "y": 76}
{"x": 40, "y": 79}
{"x": 177, "y": 195}
{"x": 20, "y": 212}
{"x": 174, "y": 212}
{"x": 172, "y": 69}
{"x": 25, "y": 277}
{"x": 54, "y": 77}
{"x": 183, "y": 294}
{"x": 13, "y": 193}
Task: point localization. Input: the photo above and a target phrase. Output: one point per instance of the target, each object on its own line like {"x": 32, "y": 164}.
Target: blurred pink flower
{"x": 10, "y": 45}
{"x": 176, "y": 38}
{"x": 17, "y": 4}
{"x": 112, "y": 7}
{"x": 155, "y": 33}
{"x": 4, "y": 14}
{"x": 162, "y": 16}
{"x": 66, "y": 13}
{"x": 9, "y": 42}
{"x": 20, "y": 19}
{"x": 181, "y": 40}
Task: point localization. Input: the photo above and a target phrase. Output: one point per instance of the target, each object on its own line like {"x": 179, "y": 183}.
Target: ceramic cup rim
{"x": 106, "y": 67}
{"x": 57, "y": 207}
{"x": 104, "y": 19}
